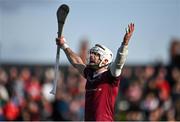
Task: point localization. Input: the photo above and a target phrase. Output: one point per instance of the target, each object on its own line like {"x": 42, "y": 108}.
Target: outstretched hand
{"x": 128, "y": 33}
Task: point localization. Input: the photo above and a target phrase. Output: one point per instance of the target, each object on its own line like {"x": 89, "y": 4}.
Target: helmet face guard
{"x": 105, "y": 54}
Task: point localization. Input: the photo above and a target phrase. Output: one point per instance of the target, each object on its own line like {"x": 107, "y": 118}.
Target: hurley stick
{"x": 62, "y": 13}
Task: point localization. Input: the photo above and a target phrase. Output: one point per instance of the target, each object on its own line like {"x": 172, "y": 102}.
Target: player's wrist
{"x": 125, "y": 43}
{"x": 64, "y": 46}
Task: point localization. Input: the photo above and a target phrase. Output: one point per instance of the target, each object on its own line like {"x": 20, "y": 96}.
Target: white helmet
{"x": 104, "y": 53}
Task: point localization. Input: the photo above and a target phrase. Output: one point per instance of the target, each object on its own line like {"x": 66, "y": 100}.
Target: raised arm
{"x": 122, "y": 52}
{"x": 73, "y": 58}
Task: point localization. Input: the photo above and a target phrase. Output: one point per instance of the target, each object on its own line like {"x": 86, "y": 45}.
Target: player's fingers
{"x": 131, "y": 27}
{"x": 63, "y": 40}
{"x": 59, "y": 40}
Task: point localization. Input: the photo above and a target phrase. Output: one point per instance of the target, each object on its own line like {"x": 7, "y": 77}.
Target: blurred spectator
{"x": 84, "y": 46}
{"x": 170, "y": 115}
{"x": 4, "y": 96}
{"x": 149, "y": 72}
{"x": 34, "y": 110}
{"x": 126, "y": 79}
{"x": 11, "y": 111}
{"x": 47, "y": 84}
{"x": 134, "y": 92}
{"x": 135, "y": 116}
{"x": 61, "y": 110}
{"x": 150, "y": 103}
{"x": 156, "y": 115}
{"x": 177, "y": 109}
{"x": 175, "y": 52}
{"x": 34, "y": 89}
{"x": 3, "y": 77}
{"x": 162, "y": 84}
{"x": 13, "y": 76}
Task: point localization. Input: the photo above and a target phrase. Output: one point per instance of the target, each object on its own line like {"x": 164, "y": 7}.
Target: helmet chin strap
{"x": 101, "y": 63}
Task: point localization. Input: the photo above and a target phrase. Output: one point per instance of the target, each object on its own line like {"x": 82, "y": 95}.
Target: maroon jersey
{"x": 101, "y": 93}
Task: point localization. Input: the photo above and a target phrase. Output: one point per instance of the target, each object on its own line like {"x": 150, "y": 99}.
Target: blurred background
{"x": 150, "y": 85}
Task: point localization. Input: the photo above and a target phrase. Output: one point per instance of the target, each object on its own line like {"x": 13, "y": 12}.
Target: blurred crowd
{"x": 147, "y": 92}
